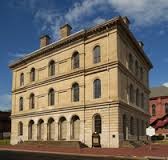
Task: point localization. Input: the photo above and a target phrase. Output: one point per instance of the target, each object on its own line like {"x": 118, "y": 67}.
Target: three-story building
{"x": 95, "y": 80}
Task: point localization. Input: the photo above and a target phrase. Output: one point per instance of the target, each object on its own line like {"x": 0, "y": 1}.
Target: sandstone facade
{"x": 121, "y": 117}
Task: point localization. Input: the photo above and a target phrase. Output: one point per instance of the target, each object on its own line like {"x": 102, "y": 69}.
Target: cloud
{"x": 165, "y": 84}
{"x": 98, "y": 20}
{"x": 5, "y": 102}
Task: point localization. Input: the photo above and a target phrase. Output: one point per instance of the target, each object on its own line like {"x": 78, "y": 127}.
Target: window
{"x": 75, "y": 92}
{"x": 132, "y": 126}
{"x": 97, "y": 88}
{"x": 153, "y": 110}
{"x": 51, "y": 97}
{"x": 97, "y": 123}
{"x": 51, "y": 68}
{"x": 32, "y": 101}
{"x": 21, "y": 104}
{"x": 21, "y": 79}
{"x": 131, "y": 93}
{"x": 75, "y": 60}
{"x": 130, "y": 62}
{"x": 166, "y": 127}
{"x": 136, "y": 68}
{"x": 20, "y": 129}
{"x": 141, "y": 73}
{"x": 137, "y": 97}
{"x": 142, "y": 100}
{"x": 96, "y": 54}
{"x": 32, "y": 75}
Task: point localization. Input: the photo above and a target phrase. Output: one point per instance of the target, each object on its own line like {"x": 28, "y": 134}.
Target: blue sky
{"x": 24, "y": 21}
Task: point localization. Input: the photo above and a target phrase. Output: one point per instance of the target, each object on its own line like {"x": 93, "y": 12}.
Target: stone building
{"x": 95, "y": 80}
{"x": 158, "y": 108}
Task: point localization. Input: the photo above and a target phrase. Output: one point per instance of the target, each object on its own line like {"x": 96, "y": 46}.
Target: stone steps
{"x": 74, "y": 144}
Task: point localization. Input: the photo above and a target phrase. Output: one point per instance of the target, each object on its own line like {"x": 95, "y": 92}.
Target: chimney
{"x": 141, "y": 44}
{"x": 65, "y": 30}
{"x": 126, "y": 21}
{"x": 44, "y": 40}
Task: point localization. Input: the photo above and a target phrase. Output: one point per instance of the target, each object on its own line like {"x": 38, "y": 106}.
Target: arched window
{"x": 51, "y": 68}
{"x": 131, "y": 93}
{"x": 97, "y": 123}
{"x": 32, "y": 101}
{"x": 20, "y": 129}
{"x": 21, "y": 79}
{"x": 142, "y": 100}
{"x": 32, "y": 75}
{"x": 97, "y": 88}
{"x": 166, "y": 108}
{"x": 130, "y": 62}
{"x": 51, "y": 97}
{"x": 96, "y": 54}
{"x": 137, "y": 97}
{"x": 75, "y": 92}
{"x": 21, "y": 104}
{"x": 75, "y": 60}
{"x": 132, "y": 126}
{"x": 136, "y": 68}
{"x": 153, "y": 110}
{"x": 141, "y": 73}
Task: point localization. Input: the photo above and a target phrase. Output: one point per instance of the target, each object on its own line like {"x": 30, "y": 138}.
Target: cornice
{"x": 74, "y": 38}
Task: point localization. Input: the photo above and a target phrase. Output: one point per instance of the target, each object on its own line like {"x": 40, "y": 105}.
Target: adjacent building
{"x": 95, "y": 80}
{"x": 159, "y": 110}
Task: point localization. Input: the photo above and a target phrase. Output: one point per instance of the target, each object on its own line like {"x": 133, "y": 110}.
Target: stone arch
{"x": 62, "y": 128}
{"x": 40, "y": 129}
{"x": 75, "y": 127}
{"x": 51, "y": 128}
{"x": 31, "y": 130}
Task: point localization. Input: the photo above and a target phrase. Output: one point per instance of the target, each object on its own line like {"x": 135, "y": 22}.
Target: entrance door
{"x": 124, "y": 127}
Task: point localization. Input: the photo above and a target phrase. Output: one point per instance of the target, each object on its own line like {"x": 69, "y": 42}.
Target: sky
{"x": 24, "y": 21}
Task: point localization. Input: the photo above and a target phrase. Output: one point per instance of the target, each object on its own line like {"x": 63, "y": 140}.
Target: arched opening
{"x": 75, "y": 128}
{"x": 51, "y": 129}
{"x": 132, "y": 126}
{"x": 20, "y": 129}
{"x": 21, "y": 79}
{"x": 40, "y": 130}
{"x": 51, "y": 97}
{"x": 21, "y": 104}
{"x": 153, "y": 110}
{"x": 32, "y": 75}
{"x": 137, "y": 97}
{"x": 97, "y": 88}
{"x": 32, "y": 101}
{"x": 31, "y": 130}
{"x": 51, "y": 68}
{"x": 62, "y": 128}
{"x": 97, "y": 123}
{"x": 124, "y": 127}
{"x": 75, "y": 92}
{"x": 96, "y": 54}
{"x": 75, "y": 60}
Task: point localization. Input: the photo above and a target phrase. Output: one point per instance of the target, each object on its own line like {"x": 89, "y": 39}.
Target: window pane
{"x": 75, "y": 92}
{"x": 96, "y": 54}
{"x": 75, "y": 60}
{"x": 97, "y": 88}
{"x": 97, "y": 124}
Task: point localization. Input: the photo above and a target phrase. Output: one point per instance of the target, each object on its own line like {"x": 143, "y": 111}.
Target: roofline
{"x": 79, "y": 35}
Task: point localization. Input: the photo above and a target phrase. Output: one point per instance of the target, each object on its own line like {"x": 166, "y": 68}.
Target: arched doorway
{"x": 62, "y": 128}
{"x": 40, "y": 130}
{"x": 124, "y": 127}
{"x": 75, "y": 127}
{"x": 51, "y": 129}
{"x": 31, "y": 128}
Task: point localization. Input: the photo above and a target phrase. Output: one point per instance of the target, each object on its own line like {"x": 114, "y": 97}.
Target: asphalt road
{"x": 11, "y": 155}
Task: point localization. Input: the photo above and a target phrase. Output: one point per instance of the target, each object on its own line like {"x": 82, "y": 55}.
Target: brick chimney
{"x": 65, "y": 30}
{"x": 44, "y": 40}
{"x": 141, "y": 44}
{"x": 126, "y": 21}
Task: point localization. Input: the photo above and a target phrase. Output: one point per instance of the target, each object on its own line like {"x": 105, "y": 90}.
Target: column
{"x": 68, "y": 131}
{"x": 56, "y": 131}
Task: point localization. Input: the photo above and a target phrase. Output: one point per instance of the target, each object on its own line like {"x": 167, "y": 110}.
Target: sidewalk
{"x": 157, "y": 151}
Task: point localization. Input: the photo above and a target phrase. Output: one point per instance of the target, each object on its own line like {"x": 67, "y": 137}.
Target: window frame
{"x": 75, "y": 92}
{"x": 75, "y": 60}
{"x": 51, "y": 68}
{"x": 97, "y": 88}
{"x": 97, "y": 123}
{"x": 96, "y": 54}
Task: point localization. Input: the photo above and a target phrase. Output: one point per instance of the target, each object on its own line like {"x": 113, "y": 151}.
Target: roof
{"x": 79, "y": 36}
{"x": 160, "y": 91}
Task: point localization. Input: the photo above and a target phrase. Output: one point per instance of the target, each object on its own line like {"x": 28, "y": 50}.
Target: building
{"x": 159, "y": 110}
{"x": 5, "y": 124}
{"x": 95, "y": 80}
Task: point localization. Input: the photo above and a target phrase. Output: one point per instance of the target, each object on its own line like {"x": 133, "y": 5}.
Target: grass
{"x": 5, "y": 142}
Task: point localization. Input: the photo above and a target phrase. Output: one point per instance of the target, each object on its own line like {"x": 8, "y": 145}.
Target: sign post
{"x": 150, "y": 131}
